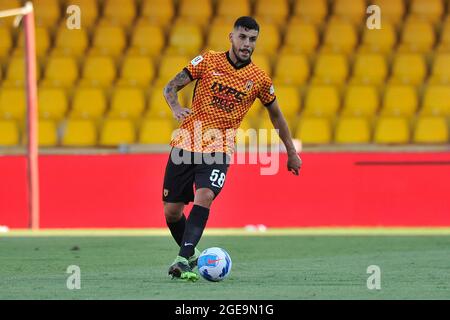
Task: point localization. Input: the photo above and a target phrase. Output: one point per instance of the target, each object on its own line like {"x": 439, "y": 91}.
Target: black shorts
{"x": 185, "y": 169}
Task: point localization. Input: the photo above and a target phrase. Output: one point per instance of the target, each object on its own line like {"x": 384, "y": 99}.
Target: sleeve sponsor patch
{"x": 197, "y": 60}
{"x": 272, "y": 90}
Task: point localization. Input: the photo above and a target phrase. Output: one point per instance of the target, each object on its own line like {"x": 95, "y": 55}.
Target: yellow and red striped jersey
{"x": 222, "y": 96}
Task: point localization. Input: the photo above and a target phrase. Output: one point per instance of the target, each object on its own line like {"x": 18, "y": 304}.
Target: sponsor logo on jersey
{"x": 272, "y": 90}
{"x": 197, "y": 60}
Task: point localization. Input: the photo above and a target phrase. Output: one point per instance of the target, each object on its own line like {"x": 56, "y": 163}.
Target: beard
{"x": 236, "y": 54}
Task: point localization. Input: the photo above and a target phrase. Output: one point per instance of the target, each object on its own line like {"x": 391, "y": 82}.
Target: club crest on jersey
{"x": 196, "y": 60}
{"x": 249, "y": 85}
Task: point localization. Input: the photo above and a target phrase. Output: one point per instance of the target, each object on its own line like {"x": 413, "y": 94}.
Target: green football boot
{"x": 194, "y": 258}
{"x": 180, "y": 269}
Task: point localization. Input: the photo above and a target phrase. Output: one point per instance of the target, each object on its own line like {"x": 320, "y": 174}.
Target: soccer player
{"x": 227, "y": 84}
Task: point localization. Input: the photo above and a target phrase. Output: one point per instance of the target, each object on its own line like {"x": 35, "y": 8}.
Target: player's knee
{"x": 204, "y": 197}
{"x": 172, "y": 212}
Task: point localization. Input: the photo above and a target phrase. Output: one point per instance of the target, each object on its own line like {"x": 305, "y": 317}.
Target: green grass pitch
{"x": 264, "y": 267}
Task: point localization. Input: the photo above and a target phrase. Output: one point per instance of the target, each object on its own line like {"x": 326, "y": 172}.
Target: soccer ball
{"x": 214, "y": 264}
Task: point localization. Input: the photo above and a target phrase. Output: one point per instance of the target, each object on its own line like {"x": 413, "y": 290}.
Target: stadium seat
{"x": 288, "y": 98}
{"x": 330, "y": 68}
{"x": 232, "y": 9}
{"x": 88, "y": 103}
{"x": 311, "y": 11}
{"x": 430, "y": 10}
{"x": 352, "y": 130}
{"x": 157, "y": 105}
{"x": 291, "y": 70}
{"x": 158, "y": 12}
{"x": 314, "y": 130}
{"x": 89, "y": 12}
{"x": 71, "y": 42}
{"x": 15, "y": 74}
{"x": 9, "y": 133}
{"x": 109, "y": 40}
{"x": 399, "y": 100}
{"x": 157, "y": 131}
{"x": 147, "y": 40}
{"x": 169, "y": 67}
{"x": 119, "y": 12}
{"x": 301, "y": 37}
{"x": 116, "y": 132}
{"x": 79, "y": 133}
{"x": 392, "y": 10}
{"x": 321, "y": 101}
{"x": 185, "y": 39}
{"x": 98, "y": 71}
{"x": 431, "y": 130}
{"x": 392, "y": 130}
{"x": 417, "y": 36}
{"x": 6, "y": 42}
{"x": 361, "y": 100}
{"x": 436, "y": 100}
{"x": 268, "y": 40}
{"x": 352, "y": 10}
{"x": 12, "y": 103}
{"x": 262, "y": 61}
{"x": 218, "y": 37}
{"x": 440, "y": 73}
{"x": 408, "y": 68}
{"x": 379, "y": 40}
{"x": 47, "y": 12}
{"x": 136, "y": 71}
{"x": 195, "y": 11}
{"x": 54, "y": 76}
{"x": 269, "y": 11}
{"x": 369, "y": 68}
{"x": 52, "y": 103}
{"x": 48, "y": 135}
{"x": 42, "y": 41}
{"x": 127, "y": 103}
{"x": 340, "y": 36}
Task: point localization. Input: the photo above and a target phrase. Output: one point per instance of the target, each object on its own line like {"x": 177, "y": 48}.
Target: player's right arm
{"x": 171, "y": 95}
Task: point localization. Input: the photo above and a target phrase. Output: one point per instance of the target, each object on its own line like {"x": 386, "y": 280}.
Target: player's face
{"x": 243, "y": 43}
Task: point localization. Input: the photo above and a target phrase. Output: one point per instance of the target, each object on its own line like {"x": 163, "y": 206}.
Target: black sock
{"x": 177, "y": 229}
{"x": 195, "y": 225}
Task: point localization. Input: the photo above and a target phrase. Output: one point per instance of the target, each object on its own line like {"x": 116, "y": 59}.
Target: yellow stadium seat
{"x": 218, "y": 37}
{"x": 156, "y": 131}
{"x": 431, "y": 130}
{"x": 379, "y": 40}
{"x": 116, "y": 132}
{"x": 408, "y": 68}
{"x": 392, "y": 130}
{"x": 79, "y": 133}
{"x": 127, "y": 103}
{"x": 88, "y": 103}
{"x": 47, "y": 12}
{"x": 436, "y": 100}
{"x": 71, "y": 42}
{"x": 185, "y": 39}
{"x": 271, "y": 11}
{"x": 159, "y": 12}
{"x": 288, "y": 98}
{"x": 9, "y": 133}
{"x": 15, "y": 74}
{"x": 292, "y": 70}
{"x": 352, "y": 130}
{"x": 169, "y": 67}
{"x": 147, "y": 40}
{"x": 392, "y": 10}
{"x": 430, "y": 10}
{"x": 233, "y": 8}
{"x": 195, "y": 11}
{"x": 52, "y": 103}
{"x": 417, "y": 36}
{"x": 322, "y": 101}
{"x": 109, "y": 40}
{"x": 54, "y": 76}
{"x": 268, "y": 40}
{"x": 313, "y": 130}
{"x": 136, "y": 71}
{"x": 98, "y": 71}
{"x": 311, "y": 11}
{"x": 5, "y": 42}
{"x": 12, "y": 103}
{"x": 361, "y": 100}
{"x": 42, "y": 41}
{"x": 48, "y": 136}
{"x": 157, "y": 105}
{"x": 369, "y": 68}
{"x": 119, "y": 12}
{"x": 352, "y": 10}
{"x": 340, "y": 36}
{"x": 89, "y": 12}
{"x": 6, "y": 5}
{"x": 262, "y": 61}
{"x": 186, "y": 95}
{"x": 330, "y": 68}
{"x": 301, "y": 37}
{"x": 399, "y": 100}
{"x": 440, "y": 73}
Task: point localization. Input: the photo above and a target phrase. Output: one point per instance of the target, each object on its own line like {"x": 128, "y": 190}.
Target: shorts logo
{"x": 196, "y": 60}
{"x": 249, "y": 85}
{"x": 166, "y": 192}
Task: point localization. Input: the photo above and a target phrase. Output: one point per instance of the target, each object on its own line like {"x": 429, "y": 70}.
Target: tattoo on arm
{"x": 175, "y": 85}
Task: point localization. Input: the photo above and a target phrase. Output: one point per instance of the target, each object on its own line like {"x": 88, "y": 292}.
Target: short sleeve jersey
{"x": 223, "y": 95}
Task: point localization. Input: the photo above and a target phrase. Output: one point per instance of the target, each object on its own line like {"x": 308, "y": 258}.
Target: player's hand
{"x": 294, "y": 163}
{"x": 181, "y": 113}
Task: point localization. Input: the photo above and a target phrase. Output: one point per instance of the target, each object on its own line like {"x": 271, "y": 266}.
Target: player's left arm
{"x": 279, "y": 122}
